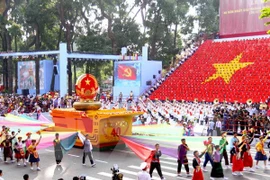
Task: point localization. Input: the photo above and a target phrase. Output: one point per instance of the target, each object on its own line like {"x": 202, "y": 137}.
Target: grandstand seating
{"x": 251, "y": 81}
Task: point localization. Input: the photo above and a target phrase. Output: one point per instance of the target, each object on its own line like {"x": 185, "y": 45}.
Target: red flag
{"x": 126, "y": 72}
{"x": 141, "y": 151}
{"x": 224, "y": 70}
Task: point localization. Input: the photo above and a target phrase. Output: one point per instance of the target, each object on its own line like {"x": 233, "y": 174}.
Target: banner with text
{"x": 241, "y": 18}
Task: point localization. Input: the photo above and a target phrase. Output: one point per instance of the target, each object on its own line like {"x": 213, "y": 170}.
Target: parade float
{"x": 103, "y": 126}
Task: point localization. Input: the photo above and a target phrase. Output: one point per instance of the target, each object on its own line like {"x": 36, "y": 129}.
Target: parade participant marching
{"x": 197, "y": 173}
{"x": 155, "y": 164}
{"x": 57, "y": 149}
{"x": 208, "y": 153}
{"x": 7, "y": 145}
{"x": 261, "y": 154}
{"x": 2, "y": 138}
{"x": 19, "y": 151}
{"x": 33, "y": 154}
{"x": 245, "y": 153}
{"x": 87, "y": 151}
{"x": 238, "y": 166}
{"x": 217, "y": 171}
{"x": 182, "y": 158}
{"x": 28, "y": 142}
{"x": 233, "y": 140}
{"x": 223, "y": 143}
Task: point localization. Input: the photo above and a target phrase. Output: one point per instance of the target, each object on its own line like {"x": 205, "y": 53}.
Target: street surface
{"x": 128, "y": 162}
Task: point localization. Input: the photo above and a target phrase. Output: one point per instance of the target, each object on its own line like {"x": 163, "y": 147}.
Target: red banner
{"x": 241, "y": 18}
{"x": 126, "y": 72}
{"x": 141, "y": 151}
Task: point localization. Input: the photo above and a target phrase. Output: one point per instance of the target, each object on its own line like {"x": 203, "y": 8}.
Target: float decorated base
{"x": 84, "y": 106}
{"x": 103, "y": 126}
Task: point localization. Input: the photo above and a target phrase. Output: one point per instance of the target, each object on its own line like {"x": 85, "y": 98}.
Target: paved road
{"x": 127, "y": 161}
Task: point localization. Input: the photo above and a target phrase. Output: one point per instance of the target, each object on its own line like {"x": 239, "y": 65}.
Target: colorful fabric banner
{"x": 68, "y": 143}
{"x": 42, "y": 118}
{"x": 141, "y": 151}
{"x": 168, "y": 145}
{"x": 68, "y": 139}
{"x": 22, "y": 120}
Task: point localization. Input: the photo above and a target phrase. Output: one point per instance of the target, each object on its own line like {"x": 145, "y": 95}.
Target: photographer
{"x": 115, "y": 173}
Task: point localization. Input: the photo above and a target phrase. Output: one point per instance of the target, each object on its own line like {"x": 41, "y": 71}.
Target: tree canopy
{"x": 103, "y": 26}
{"x": 265, "y": 13}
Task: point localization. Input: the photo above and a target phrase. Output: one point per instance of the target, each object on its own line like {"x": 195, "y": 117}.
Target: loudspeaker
{"x": 159, "y": 71}
{"x": 55, "y": 69}
{"x": 25, "y": 92}
{"x": 154, "y": 76}
{"x": 148, "y": 83}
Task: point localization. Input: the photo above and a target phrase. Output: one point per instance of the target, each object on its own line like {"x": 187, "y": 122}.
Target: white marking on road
{"x": 110, "y": 175}
{"x": 91, "y": 178}
{"x": 257, "y": 174}
{"x": 171, "y": 163}
{"x": 49, "y": 150}
{"x": 168, "y": 158}
{"x": 73, "y": 155}
{"x": 163, "y": 172}
{"x": 101, "y": 161}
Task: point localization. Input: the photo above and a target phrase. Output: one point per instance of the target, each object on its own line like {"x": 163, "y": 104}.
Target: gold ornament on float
{"x": 87, "y": 89}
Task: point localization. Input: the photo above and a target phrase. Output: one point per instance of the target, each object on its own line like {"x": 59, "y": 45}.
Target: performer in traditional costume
{"x": 28, "y": 142}
{"x": 233, "y": 140}
{"x": 208, "y": 154}
{"x": 223, "y": 143}
{"x": 261, "y": 154}
{"x": 197, "y": 173}
{"x": 237, "y": 166}
{"x": 57, "y": 149}
{"x": 245, "y": 153}
{"x": 19, "y": 151}
{"x": 217, "y": 171}
{"x": 7, "y": 145}
{"x": 155, "y": 164}
{"x": 2, "y": 138}
{"x": 34, "y": 157}
{"x": 182, "y": 158}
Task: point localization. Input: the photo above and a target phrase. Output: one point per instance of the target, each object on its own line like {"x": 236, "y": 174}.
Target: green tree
{"x": 207, "y": 15}
{"x": 121, "y": 28}
{"x": 265, "y": 13}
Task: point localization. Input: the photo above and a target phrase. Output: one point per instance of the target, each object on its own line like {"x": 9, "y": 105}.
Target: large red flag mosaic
{"x": 232, "y": 70}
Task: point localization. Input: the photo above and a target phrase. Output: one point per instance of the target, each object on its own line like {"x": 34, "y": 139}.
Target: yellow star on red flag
{"x": 227, "y": 70}
{"x": 87, "y": 82}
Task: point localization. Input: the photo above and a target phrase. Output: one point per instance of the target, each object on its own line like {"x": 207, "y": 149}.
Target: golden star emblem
{"x": 87, "y": 81}
{"x": 227, "y": 70}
